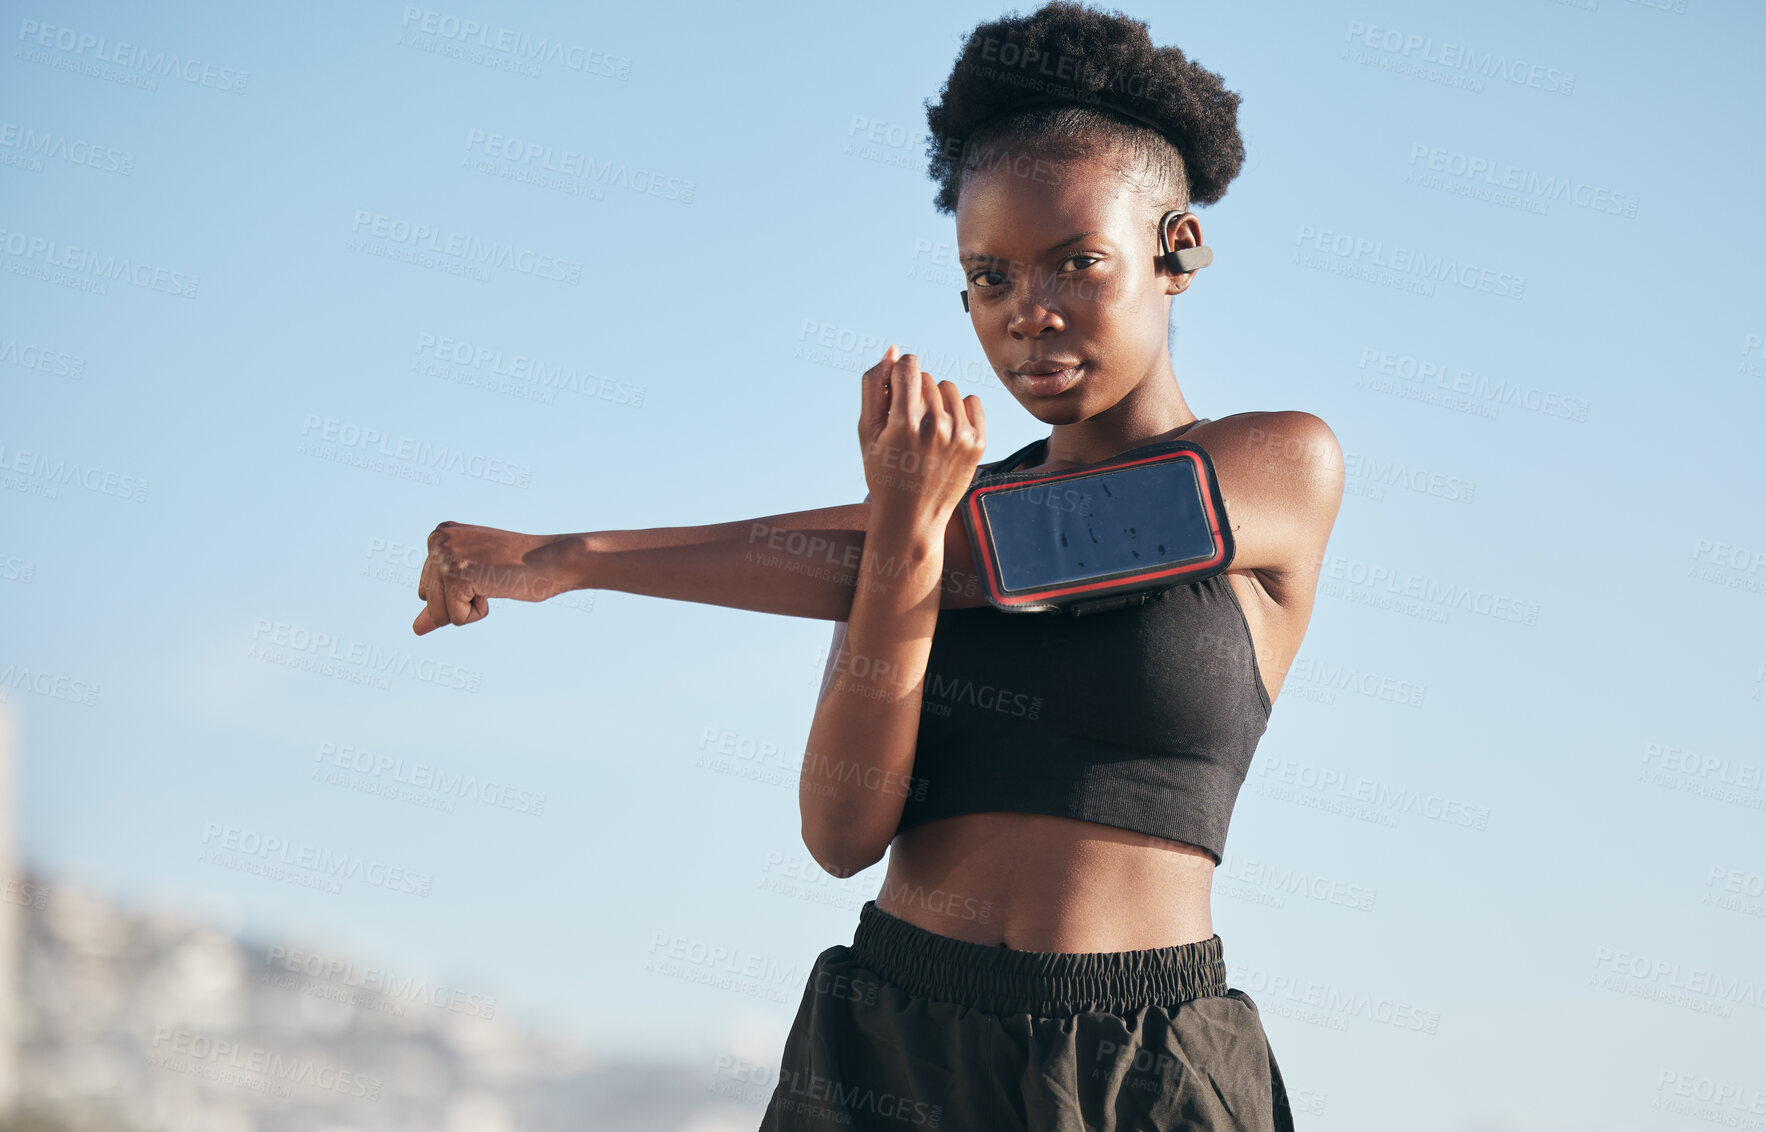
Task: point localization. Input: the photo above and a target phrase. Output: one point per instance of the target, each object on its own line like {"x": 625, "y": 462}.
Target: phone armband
{"x": 1099, "y": 537}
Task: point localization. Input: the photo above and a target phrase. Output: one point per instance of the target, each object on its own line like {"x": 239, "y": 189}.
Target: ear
{"x": 1181, "y": 232}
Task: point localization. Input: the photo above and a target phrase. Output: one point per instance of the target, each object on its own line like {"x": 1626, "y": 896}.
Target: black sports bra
{"x": 1144, "y": 718}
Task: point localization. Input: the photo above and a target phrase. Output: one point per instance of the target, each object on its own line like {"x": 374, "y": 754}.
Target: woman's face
{"x": 1061, "y": 263}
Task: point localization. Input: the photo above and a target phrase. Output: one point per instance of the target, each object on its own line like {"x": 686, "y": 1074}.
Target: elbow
{"x": 842, "y": 855}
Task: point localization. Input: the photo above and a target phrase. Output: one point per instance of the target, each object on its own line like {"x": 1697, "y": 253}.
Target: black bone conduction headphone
{"x": 1182, "y": 261}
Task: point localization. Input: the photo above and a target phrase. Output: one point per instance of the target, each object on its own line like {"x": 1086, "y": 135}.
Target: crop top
{"x": 1144, "y": 718}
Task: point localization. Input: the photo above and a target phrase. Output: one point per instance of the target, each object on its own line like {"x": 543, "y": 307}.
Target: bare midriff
{"x": 1035, "y": 882}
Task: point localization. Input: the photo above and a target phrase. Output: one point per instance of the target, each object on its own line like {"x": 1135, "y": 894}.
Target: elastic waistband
{"x": 999, "y": 980}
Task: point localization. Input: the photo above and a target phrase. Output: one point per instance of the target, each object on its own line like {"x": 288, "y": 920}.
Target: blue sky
{"x": 1517, "y": 767}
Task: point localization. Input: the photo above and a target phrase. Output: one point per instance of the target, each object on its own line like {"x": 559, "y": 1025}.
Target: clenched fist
{"x": 921, "y": 440}
{"x": 469, "y": 565}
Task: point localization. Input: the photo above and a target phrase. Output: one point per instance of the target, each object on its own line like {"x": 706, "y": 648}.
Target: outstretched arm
{"x": 800, "y": 564}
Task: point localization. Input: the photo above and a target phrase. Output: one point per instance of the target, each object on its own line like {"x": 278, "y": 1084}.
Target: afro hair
{"x": 1042, "y": 84}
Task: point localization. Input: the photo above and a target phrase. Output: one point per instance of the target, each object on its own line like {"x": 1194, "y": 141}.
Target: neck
{"x": 1153, "y": 410}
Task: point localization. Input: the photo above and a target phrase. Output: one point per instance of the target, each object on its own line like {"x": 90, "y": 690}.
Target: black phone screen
{"x": 1110, "y": 524}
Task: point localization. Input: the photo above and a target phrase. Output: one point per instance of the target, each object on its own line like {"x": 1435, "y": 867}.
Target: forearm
{"x": 859, "y": 759}
{"x": 800, "y": 564}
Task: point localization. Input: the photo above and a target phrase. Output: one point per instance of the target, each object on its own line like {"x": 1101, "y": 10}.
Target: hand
{"x": 468, "y": 565}
{"x": 921, "y": 441}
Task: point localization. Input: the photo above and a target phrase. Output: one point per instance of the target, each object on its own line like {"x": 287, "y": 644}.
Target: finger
{"x": 873, "y": 397}
{"x": 953, "y": 402}
{"x": 459, "y": 602}
{"x": 961, "y": 427}
{"x": 936, "y": 415}
{"x": 437, "y": 596}
{"x": 908, "y": 395}
{"x": 430, "y": 589}
{"x": 888, "y": 388}
{"x": 977, "y": 417}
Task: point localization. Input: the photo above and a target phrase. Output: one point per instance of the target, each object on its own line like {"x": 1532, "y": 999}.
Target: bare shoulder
{"x": 1290, "y": 451}
{"x": 1282, "y": 476}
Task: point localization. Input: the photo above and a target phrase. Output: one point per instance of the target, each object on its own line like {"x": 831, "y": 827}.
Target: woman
{"x": 1053, "y": 792}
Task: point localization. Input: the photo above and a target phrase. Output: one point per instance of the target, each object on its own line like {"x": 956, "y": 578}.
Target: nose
{"x": 1033, "y": 316}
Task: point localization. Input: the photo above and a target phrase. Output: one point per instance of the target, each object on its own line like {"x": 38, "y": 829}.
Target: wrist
{"x": 582, "y": 557}
{"x": 904, "y": 531}
{"x": 903, "y": 553}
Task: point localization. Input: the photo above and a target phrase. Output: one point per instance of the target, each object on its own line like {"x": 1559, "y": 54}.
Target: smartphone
{"x": 1100, "y": 537}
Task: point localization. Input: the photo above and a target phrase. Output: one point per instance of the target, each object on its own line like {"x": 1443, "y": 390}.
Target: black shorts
{"x": 908, "y": 1029}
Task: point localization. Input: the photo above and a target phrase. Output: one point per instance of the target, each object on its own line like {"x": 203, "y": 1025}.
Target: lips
{"x": 1044, "y": 366}
{"x": 1045, "y": 379}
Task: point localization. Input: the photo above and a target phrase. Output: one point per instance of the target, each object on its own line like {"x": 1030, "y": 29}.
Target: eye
{"x": 975, "y": 279}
